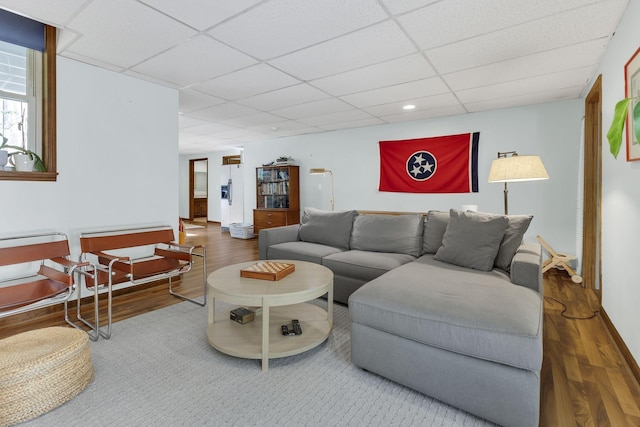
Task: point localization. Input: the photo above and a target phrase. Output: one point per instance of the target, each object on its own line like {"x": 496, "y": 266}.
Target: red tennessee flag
{"x": 443, "y": 164}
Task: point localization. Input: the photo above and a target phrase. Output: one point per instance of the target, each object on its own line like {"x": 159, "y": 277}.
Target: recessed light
{"x": 409, "y": 107}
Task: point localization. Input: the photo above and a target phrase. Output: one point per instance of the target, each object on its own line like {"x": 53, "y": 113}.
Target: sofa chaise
{"x": 451, "y": 306}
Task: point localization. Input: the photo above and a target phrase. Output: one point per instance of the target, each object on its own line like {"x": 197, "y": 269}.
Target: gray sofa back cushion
{"x": 331, "y": 228}
{"x": 401, "y": 234}
{"x": 434, "y": 229}
{"x": 512, "y": 239}
{"x": 472, "y": 239}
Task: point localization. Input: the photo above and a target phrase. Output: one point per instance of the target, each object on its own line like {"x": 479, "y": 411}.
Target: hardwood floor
{"x": 585, "y": 380}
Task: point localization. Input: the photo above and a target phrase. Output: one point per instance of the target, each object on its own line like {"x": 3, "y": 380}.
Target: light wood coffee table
{"x": 281, "y": 301}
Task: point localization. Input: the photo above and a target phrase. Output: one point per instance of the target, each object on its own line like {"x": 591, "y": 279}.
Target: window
{"x": 27, "y": 94}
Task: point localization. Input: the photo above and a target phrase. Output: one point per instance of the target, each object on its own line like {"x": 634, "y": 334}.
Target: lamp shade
{"x": 314, "y": 171}
{"x": 517, "y": 168}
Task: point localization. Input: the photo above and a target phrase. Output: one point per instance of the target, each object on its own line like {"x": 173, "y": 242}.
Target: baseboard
{"x": 624, "y": 350}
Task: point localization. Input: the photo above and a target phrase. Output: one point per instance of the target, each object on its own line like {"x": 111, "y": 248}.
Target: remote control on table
{"x": 285, "y": 330}
{"x": 296, "y": 327}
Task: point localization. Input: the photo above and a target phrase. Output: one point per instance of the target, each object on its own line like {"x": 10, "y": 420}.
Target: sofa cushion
{"x": 401, "y": 234}
{"x": 472, "y": 239}
{"x": 362, "y": 265}
{"x": 475, "y": 313}
{"x": 513, "y": 236}
{"x": 332, "y": 228}
{"x": 301, "y": 251}
{"x": 434, "y": 229}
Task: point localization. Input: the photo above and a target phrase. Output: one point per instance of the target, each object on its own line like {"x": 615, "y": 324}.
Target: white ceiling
{"x": 260, "y": 69}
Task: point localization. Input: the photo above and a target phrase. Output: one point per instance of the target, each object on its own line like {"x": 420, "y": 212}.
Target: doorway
{"x": 198, "y": 189}
{"x": 592, "y": 212}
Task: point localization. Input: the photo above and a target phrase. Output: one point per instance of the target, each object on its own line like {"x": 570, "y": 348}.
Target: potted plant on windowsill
{"x": 24, "y": 159}
{"x": 617, "y": 125}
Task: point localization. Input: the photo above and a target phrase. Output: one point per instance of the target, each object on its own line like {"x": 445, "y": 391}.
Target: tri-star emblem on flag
{"x": 443, "y": 164}
{"x": 421, "y": 165}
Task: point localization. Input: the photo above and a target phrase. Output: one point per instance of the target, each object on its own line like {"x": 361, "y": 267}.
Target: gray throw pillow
{"x": 434, "y": 229}
{"x": 401, "y": 234}
{"x": 472, "y": 239}
{"x": 512, "y": 239}
{"x": 331, "y": 228}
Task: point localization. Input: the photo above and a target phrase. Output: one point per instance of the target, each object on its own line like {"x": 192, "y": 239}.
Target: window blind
{"x": 22, "y": 31}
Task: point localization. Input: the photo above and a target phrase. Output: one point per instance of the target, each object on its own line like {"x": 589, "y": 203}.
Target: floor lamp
{"x": 323, "y": 171}
{"x": 509, "y": 167}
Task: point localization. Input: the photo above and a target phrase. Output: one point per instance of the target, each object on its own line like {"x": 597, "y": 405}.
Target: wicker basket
{"x": 40, "y": 370}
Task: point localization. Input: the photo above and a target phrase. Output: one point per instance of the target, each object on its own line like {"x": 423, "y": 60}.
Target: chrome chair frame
{"x": 110, "y": 270}
{"x": 70, "y": 268}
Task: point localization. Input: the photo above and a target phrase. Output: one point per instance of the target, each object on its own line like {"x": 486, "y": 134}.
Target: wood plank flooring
{"x": 585, "y": 380}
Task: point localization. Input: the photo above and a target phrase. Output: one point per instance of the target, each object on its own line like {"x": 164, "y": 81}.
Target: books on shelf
{"x": 281, "y": 187}
{"x": 272, "y": 174}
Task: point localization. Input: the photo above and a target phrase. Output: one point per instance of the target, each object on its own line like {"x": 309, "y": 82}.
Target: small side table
{"x": 280, "y": 301}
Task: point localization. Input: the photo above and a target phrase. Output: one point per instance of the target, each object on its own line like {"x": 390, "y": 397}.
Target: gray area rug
{"x": 159, "y": 370}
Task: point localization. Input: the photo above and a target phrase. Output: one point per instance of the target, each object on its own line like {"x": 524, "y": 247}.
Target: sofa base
{"x": 499, "y": 393}
{"x": 343, "y": 287}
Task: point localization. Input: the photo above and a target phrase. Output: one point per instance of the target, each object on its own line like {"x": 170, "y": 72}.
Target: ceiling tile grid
{"x": 250, "y": 70}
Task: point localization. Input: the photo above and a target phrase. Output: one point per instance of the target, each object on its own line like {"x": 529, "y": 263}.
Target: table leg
{"x": 330, "y": 306}
{"x": 265, "y": 336}
{"x": 212, "y": 308}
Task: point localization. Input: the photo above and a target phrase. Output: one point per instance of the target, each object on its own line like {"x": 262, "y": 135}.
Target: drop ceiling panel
{"x": 362, "y": 48}
{"x": 54, "y": 13}
{"x": 207, "y": 128}
{"x": 201, "y": 14}
{"x": 401, "y": 6}
{"x": 130, "y": 37}
{"x": 425, "y": 114}
{"x": 187, "y": 122}
{"x": 304, "y": 131}
{"x": 248, "y": 82}
{"x": 278, "y": 128}
{"x": 528, "y": 99}
{"x": 212, "y": 58}
{"x": 354, "y": 124}
{"x": 316, "y": 108}
{"x": 424, "y": 103}
{"x": 531, "y": 85}
{"x": 275, "y": 28}
{"x": 565, "y": 58}
{"x": 395, "y": 71}
{"x": 386, "y": 95}
{"x": 92, "y": 61}
{"x": 340, "y": 117}
{"x": 589, "y": 23}
{"x": 450, "y": 21}
{"x": 253, "y": 120}
{"x": 286, "y": 97}
{"x": 226, "y": 111}
{"x": 191, "y": 100}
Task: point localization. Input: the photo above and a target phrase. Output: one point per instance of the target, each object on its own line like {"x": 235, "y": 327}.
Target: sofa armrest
{"x": 526, "y": 267}
{"x": 271, "y": 236}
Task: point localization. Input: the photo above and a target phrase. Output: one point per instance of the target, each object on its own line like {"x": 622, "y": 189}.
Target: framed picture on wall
{"x": 632, "y": 90}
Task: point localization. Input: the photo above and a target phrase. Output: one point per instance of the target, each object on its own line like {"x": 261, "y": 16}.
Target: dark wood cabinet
{"x": 277, "y": 197}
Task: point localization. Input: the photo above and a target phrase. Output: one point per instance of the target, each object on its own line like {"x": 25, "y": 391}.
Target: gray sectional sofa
{"x": 451, "y": 306}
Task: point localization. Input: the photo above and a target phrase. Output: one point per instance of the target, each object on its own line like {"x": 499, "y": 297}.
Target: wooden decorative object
{"x": 268, "y": 270}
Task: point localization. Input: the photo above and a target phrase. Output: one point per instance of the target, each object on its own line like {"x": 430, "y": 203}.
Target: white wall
{"x": 117, "y": 150}
{"x": 215, "y": 160}
{"x": 621, "y": 194}
{"x": 549, "y": 130}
